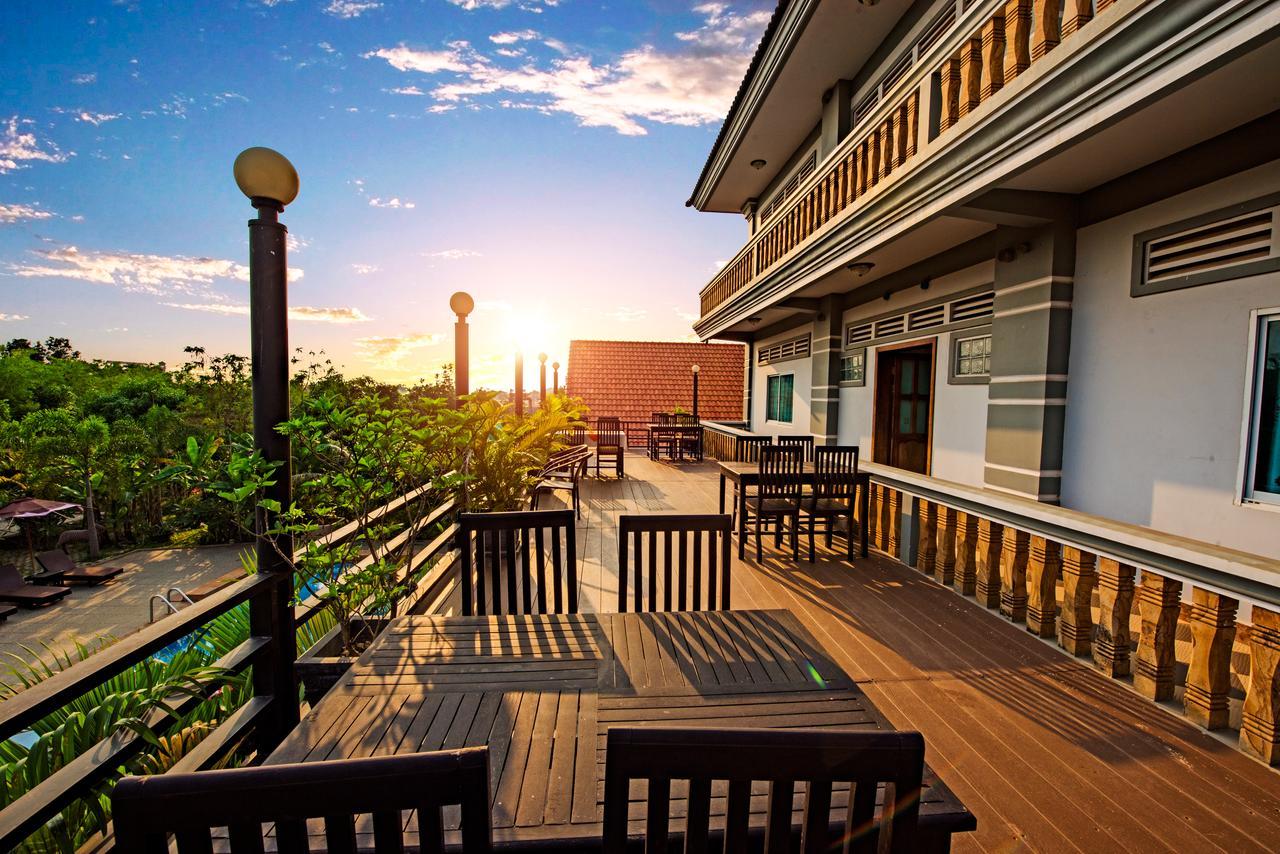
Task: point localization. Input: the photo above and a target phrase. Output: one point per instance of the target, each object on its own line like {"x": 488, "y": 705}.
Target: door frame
{"x": 932, "y": 344}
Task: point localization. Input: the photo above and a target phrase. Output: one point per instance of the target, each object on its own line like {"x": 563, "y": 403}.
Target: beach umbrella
{"x": 25, "y": 509}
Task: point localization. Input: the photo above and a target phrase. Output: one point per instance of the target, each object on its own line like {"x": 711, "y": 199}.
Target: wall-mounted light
{"x": 860, "y": 268}
{"x": 924, "y": 285}
{"x": 755, "y": 318}
{"x": 759, "y": 164}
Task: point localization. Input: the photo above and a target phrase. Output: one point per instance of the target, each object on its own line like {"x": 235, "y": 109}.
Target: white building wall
{"x": 802, "y": 370}
{"x": 1155, "y": 399}
{"x": 960, "y": 411}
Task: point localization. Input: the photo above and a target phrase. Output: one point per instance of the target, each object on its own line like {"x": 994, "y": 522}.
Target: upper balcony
{"x": 1030, "y": 95}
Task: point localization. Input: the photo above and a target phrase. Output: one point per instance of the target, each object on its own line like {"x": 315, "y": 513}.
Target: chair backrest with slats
{"x": 250, "y": 802}
{"x": 523, "y": 562}
{"x": 805, "y": 443}
{"x": 774, "y": 760}
{"x": 609, "y": 433}
{"x": 576, "y": 435}
{"x": 749, "y": 447}
{"x": 686, "y": 420}
{"x": 780, "y": 469}
{"x": 674, "y": 562}
{"x": 835, "y": 472}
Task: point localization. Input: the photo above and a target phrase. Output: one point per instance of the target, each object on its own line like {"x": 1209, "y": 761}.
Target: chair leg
{"x": 759, "y": 554}
{"x": 849, "y": 537}
{"x": 813, "y": 523}
{"x": 795, "y": 535}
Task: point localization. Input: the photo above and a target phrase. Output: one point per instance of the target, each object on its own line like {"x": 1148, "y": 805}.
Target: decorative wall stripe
{"x": 1031, "y": 378}
{"x": 1040, "y": 306}
{"x": 1030, "y": 472}
{"x": 1028, "y": 401}
{"x": 1035, "y": 283}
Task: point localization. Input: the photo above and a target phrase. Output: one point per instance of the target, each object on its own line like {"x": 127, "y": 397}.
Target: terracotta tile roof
{"x": 633, "y": 379}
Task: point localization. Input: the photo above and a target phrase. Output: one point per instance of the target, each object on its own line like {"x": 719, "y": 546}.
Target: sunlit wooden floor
{"x": 1047, "y": 752}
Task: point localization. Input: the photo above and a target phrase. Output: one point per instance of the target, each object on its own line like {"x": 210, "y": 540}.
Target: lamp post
{"x": 542, "y": 380}
{"x": 555, "y": 376}
{"x": 462, "y": 304}
{"x": 270, "y": 182}
{"x": 519, "y": 384}
{"x": 695, "y": 370}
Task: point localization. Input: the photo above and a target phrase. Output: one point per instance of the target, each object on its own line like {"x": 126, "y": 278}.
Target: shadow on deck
{"x": 1048, "y": 753}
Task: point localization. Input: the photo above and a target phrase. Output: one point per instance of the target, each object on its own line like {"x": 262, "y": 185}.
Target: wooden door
{"x": 904, "y": 407}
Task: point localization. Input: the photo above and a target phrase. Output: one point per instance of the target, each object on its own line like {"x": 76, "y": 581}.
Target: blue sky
{"x": 536, "y": 153}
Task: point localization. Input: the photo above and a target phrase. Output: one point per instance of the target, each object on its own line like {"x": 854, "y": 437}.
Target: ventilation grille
{"x": 891, "y": 326}
{"x": 972, "y": 308}
{"x": 1210, "y": 250}
{"x": 794, "y": 349}
{"x": 893, "y": 75}
{"x": 935, "y": 315}
{"x": 868, "y": 104}
{"x": 858, "y": 334}
{"x": 937, "y": 29}
{"x": 791, "y": 186}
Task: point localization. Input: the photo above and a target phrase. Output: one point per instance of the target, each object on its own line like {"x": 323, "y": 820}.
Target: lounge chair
{"x": 59, "y": 568}
{"x": 14, "y": 588}
{"x": 7, "y": 611}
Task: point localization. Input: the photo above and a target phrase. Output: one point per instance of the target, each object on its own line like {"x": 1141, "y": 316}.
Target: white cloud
{"x": 85, "y": 79}
{"x": 511, "y": 37}
{"x": 628, "y": 314}
{"x": 294, "y": 243}
{"x": 376, "y": 202}
{"x": 4, "y": 318}
{"x": 135, "y": 272}
{"x": 305, "y": 313}
{"x": 390, "y": 351}
{"x": 19, "y": 147}
{"x": 365, "y": 269}
{"x": 350, "y": 8}
{"x": 690, "y": 86}
{"x": 96, "y": 119}
{"x": 14, "y": 213}
{"x": 436, "y": 109}
{"x": 406, "y": 90}
{"x": 690, "y": 316}
{"x": 534, "y": 6}
{"x": 452, "y": 254}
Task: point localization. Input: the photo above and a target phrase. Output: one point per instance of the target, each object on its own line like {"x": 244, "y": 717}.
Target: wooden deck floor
{"x": 1048, "y": 753}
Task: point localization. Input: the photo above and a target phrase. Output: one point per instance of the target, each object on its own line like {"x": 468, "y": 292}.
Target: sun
{"x": 532, "y": 333}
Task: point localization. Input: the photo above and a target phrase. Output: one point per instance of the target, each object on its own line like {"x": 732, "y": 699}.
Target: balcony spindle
{"x": 864, "y": 166}
{"x": 893, "y": 503}
{"x": 945, "y": 561}
{"x": 1115, "y": 605}
{"x": 886, "y": 143}
{"x": 1046, "y": 34}
{"x": 1017, "y": 38}
{"x": 1013, "y": 575}
{"x": 902, "y": 124}
{"x": 913, "y": 122}
{"x": 990, "y": 546}
{"x": 1075, "y": 624}
{"x": 1158, "y": 604}
{"x": 927, "y": 552}
{"x": 992, "y": 55}
{"x": 966, "y": 553}
{"x": 879, "y": 517}
{"x": 1260, "y": 725}
{"x": 970, "y": 76}
{"x": 950, "y": 75}
{"x": 1077, "y": 14}
{"x": 1043, "y": 565}
{"x": 873, "y": 158}
{"x": 1213, "y": 631}
{"x": 1103, "y": 5}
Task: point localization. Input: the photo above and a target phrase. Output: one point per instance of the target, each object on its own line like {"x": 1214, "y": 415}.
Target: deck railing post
{"x": 1260, "y": 724}
{"x": 1213, "y": 631}
{"x": 1115, "y": 605}
{"x": 945, "y": 560}
{"x": 1043, "y": 565}
{"x": 1013, "y": 575}
{"x": 1158, "y": 604}
{"x": 926, "y": 557}
{"x": 1075, "y": 623}
{"x": 990, "y": 545}
{"x": 966, "y": 554}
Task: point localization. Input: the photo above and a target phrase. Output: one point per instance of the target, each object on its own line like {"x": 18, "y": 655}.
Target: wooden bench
{"x": 564, "y": 470}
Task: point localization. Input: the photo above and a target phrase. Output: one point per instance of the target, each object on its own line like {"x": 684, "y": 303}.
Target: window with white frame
{"x": 778, "y": 398}
{"x": 973, "y": 356}
{"x": 1262, "y": 469}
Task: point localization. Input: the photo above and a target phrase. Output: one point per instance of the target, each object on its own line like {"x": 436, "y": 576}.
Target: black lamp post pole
{"x": 462, "y": 304}
{"x": 519, "y": 385}
{"x": 272, "y": 615}
{"x": 695, "y": 394}
{"x": 555, "y": 376}
{"x": 542, "y": 380}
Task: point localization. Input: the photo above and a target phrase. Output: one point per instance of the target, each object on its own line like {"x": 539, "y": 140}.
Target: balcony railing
{"x": 1012, "y": 37}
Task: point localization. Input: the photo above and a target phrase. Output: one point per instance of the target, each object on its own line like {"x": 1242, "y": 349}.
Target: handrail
{"x": 163, "y": 599}
{"x": 728, "y": 428}
{"x": 349, "y": 530}
{"x": 1236, "y": 573}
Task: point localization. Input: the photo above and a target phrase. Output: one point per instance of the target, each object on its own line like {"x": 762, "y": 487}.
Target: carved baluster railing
{"x": 966, "y": 554}
{"x": 1075, "y": 623}
{"x": 1076, "y": 15}
{"x": 1013, "y": 575}
{"x": 945, "y": 562}
{"x": 1043, "y": 564}
{"x": 1045, "y": 34}
{"x": 970, "y": 76}
{"x": 950, "y": 74}
{"x": 1017, "y": 38}
{"x": 927, "y": 550}
{"x": 1115, "y": 605}
{"x": 892, "y": 504}
{"x": 1158, "y": 604}
{"x": 992, "y": 55}
{"x": 990, "y": 547}
{"x": 1260, "y": 724}
{"x": 1213, "y": 631}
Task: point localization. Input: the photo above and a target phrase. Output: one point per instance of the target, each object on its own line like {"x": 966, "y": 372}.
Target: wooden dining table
{"x": 747, "y": 476}
{"x": 676, "y": 433}
{"x": 542, "y": 692}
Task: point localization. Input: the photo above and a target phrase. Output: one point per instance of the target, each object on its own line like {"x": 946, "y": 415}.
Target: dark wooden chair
{"x": 15, "y": 589}
{"x": 145, "y": 810}
{"x": 59, "y": 568}
{"x": 506, "y": 568}
{"x": 611, "y": 445}
{"x": 689, "y": 562}
{"x": 576, "y": 436}
{"x": 835, "y": 485}
{"x": 748, "y": 447}
{"x": 777, "y": 498}
{"x": 660, "y": 442}
{"x": 564, "y": 471}
{"x": 760, "y": 762}
{"x": 804, "y": 442}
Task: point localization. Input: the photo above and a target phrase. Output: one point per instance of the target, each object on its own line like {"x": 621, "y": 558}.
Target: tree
{"x": 70, "y": 446}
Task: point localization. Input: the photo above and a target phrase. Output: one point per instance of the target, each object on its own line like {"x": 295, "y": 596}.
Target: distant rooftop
{"x": 633, "y": 379}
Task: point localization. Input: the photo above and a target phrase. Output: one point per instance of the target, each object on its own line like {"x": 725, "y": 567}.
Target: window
{"x": 971, "y": 361}
{"x": 1262, "y": 471}
{"x": 853, "y": 368}
{"x": 778, "y": 399}
{"x": 795, "y": 348}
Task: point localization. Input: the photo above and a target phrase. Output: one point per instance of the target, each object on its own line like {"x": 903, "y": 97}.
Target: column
{"x": 1260, "y": 726}
{"x": 1031, "y": 341}
{"x": 1075, "y": 625}
{"x": 945, "y": 561}
{"x": 1043, "y": 564}
{"x": 1159, "y": 599}
{"x": 1013, "y": 575}
{"x": 926, "y": 556}
{"x": 1213, "y": 631}
{"x": 824, "y": 357}
{"x": 748, "y": 377}
{"x": 1115, "y": 604}
{"x": 966, "y": 553}
{"x": 990, "y": 545}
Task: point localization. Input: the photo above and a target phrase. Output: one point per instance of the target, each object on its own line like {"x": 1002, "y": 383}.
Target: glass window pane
{"x": 922, "y": 416}
{"x": 1266, "y": 467}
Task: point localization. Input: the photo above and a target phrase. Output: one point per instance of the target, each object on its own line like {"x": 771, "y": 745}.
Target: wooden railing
{"x": 1086, "y": 581}
{"x": 258, "y": 720}
{"x": 730, "y": 441}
